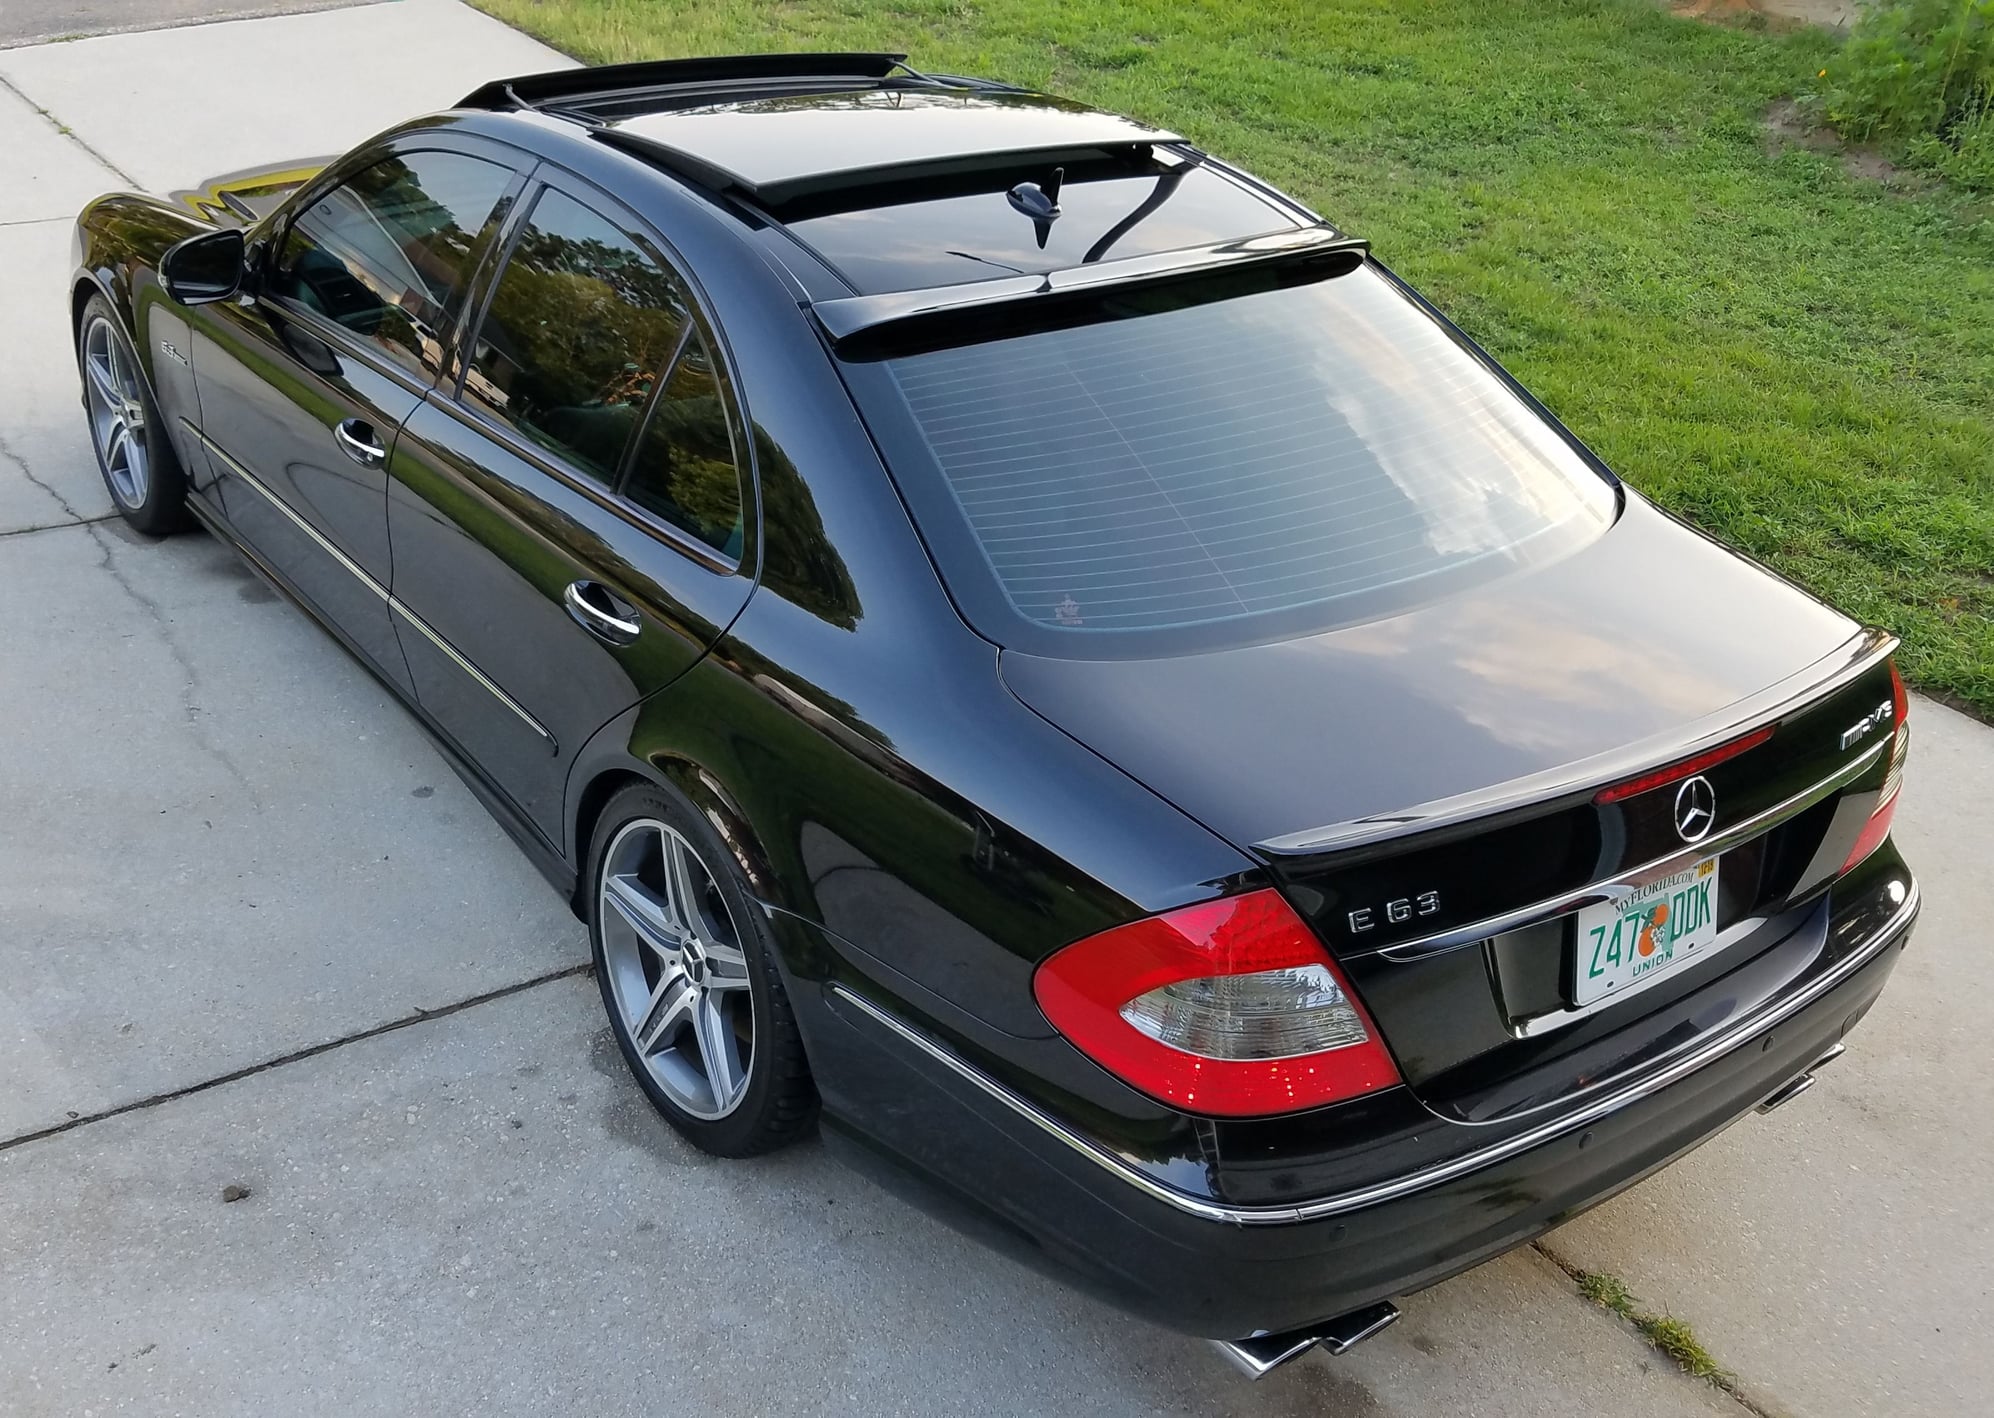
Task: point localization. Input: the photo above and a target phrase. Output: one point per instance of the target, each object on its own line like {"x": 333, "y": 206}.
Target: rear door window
{"x": 387, "y": 253}
{"x": 581, "y": 326}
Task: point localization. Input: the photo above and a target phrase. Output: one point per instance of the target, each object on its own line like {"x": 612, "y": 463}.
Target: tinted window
{"x": 1322, "y": 452}
{"x": 388, "y": 252}
{"x": 686, "y": 469}
{"x": 582, "y": 324}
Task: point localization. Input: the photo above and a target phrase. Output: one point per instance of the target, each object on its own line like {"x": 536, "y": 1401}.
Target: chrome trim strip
{"x": 370, "y": 583}
{"x": 551, "y": 466}
{"x": 1627, "y": 882}
{"x": 1856, "y": 655}
{"x": 472, "y": 670}
{"x": 1122, "y": 1168}
{"x": 359, "y": 572}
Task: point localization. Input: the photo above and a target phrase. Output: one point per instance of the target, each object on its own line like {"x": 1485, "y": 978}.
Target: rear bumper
{"x": 963, "y": 1145}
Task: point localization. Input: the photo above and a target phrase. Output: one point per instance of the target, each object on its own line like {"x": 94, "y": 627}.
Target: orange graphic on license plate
{"x": 1656, "y": 918}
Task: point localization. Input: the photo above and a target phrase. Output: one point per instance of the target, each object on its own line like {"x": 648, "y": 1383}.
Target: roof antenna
{"x": 1039, "y": 202}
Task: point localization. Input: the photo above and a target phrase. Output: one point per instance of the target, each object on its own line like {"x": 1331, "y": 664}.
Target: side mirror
{"x": 204, "y": 268}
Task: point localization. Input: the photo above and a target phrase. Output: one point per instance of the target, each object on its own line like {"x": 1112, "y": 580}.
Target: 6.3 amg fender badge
{"x": 174, "y": 354}
{"x": 1696, "y": 809}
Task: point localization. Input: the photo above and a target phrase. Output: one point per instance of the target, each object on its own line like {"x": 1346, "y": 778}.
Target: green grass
{"x": 1673, "y": 1337}
{"x": 1799, "y": 361}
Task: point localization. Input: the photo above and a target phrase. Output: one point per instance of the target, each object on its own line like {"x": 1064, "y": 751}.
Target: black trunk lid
{"x": 1423, "y": 789}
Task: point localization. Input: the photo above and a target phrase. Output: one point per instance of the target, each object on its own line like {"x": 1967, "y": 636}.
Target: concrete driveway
{"x": 253, "y": 933}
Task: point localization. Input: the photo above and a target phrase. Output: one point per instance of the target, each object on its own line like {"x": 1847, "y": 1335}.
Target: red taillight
{"x": 1878, "y": 826}
{"x": 1686, "y": 768}
{"x": 1231, "y": 1008}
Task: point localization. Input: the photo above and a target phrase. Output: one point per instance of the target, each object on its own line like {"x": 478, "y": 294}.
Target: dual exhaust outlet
{"x": 1264, "y": 1353}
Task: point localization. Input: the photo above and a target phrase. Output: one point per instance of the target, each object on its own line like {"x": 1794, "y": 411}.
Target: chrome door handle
{"x": 356, "y": 440}
{"x": 601, "y": 614}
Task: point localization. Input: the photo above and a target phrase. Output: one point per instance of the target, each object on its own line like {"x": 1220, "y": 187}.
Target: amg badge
{"x": 1862, "y": 728}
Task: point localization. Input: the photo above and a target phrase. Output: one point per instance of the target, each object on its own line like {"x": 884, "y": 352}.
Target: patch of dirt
{"x": 1788, "y": 126}
{"x": 1828, "y": 14}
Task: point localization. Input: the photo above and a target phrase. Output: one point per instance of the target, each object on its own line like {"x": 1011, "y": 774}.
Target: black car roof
{"x": 899, "y": 181}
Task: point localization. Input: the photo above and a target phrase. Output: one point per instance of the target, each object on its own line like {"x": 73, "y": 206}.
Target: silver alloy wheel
{"x": 676, "y": 968}
{"x": 117, "y": 413}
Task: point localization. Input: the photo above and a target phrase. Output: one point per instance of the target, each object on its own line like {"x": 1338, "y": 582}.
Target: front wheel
{"x": 133, "y": 452}
{"x": 689, "y": 979}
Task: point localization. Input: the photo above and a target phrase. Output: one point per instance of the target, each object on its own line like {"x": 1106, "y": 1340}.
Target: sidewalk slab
{"x": 480, "y": 1214}
{"x": 43, "y": 21}
{"x": 1839, "y": 1254}
{"x": 175, "y": 107}
{"x": 42, "y": 173}
{"x": 223, "y": 841}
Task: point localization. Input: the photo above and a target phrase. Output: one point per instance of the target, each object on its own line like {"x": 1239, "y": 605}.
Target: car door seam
{"x": 366, "y": 579}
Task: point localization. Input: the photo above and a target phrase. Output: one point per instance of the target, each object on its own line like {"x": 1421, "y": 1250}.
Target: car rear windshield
{"x": 1226, "y": 469}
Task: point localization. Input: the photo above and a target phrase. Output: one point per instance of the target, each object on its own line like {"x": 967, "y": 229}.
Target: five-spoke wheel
{"x": 676, "y": 969}
{"x": 134, "y": 454}
{"x": 689, "y": 977}
{"x": 117, "y": 412}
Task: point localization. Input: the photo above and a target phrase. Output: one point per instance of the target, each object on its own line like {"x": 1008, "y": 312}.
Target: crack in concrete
{"x": 190, "y": 678}
{"x": 75, "y": 518}
{"x": 70, "y": 133}
{"x": 57, "y": 526}
{"x": 295, "y": 1056}
{"x": 191, "y": 711}
{"x": 1725, "y": 1384}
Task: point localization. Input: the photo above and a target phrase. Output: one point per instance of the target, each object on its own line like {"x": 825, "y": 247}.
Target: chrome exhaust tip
{"x": 1793, "y": 1088}
{"x": 1264, "y": 1353}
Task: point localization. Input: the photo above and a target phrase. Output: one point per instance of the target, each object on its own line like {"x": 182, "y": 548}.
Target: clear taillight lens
{"x": 1270, "y": 1014}
{"x": 1230, "y": 1008}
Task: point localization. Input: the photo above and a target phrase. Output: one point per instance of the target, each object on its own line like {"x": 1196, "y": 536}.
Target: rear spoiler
{"x": 855, "y": 324}
{"x": 1855, "y": 657}
{"x": 608, "y": 80}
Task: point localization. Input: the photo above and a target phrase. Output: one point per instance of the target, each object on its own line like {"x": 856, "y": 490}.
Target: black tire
{"x": 160, "y": 506}
{"x": 779, "y": 1103}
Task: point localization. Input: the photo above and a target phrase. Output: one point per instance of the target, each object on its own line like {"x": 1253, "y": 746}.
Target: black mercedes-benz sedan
{"x": 1033, "y": 649}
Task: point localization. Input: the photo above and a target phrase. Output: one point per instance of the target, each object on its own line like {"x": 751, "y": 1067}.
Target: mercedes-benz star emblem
{"x": 1696, "y": 809}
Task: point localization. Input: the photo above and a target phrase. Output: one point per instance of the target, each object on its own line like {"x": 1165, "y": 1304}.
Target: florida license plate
{"x": 1624, "y": 945}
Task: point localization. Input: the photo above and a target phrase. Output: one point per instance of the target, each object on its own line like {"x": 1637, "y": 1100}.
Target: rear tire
{"x": 689, "y": 979}
{"x": 136, "y": 458}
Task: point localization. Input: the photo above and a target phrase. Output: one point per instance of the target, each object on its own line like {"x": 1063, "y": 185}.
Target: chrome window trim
{"x": 1851, "y": 659}
{"x": 361, "y": 574}
{"x": 1627, "y": 882}
{"x": 349, "y": 343}
{"x": 275, "y": 230}
{"x": 1713, "y": 1048}
{"x": 550, "y": 464}
{"x": 448, "y": 393}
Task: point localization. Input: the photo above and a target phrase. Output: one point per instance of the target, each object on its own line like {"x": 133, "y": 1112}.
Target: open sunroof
{"x": 792, "y": 146}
